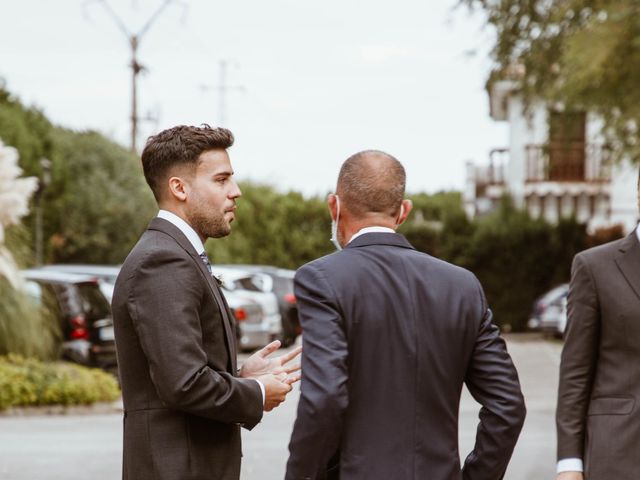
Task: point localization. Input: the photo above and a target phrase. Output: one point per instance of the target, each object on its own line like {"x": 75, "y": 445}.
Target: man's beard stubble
{"x": 208, "y": 224}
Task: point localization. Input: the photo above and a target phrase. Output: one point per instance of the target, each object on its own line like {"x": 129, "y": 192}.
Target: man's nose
{"x": 235, "y": 191}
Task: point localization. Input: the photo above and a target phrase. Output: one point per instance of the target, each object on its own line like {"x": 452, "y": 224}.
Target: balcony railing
{"x": 568, "y": 162}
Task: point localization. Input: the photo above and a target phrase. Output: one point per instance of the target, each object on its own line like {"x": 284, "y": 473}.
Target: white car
{"x": 252, "y": 286}
{"x": 553, "y": 320}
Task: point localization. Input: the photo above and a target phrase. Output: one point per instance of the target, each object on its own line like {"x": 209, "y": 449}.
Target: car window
{"x": 93, "y": 302}
{"x": 247, "y": 283}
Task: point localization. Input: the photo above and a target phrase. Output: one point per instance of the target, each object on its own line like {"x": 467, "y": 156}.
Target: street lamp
{"x": 43, "y": 183}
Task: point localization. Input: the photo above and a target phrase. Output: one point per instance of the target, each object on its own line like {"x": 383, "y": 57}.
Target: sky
{"x": 317, "y": 81}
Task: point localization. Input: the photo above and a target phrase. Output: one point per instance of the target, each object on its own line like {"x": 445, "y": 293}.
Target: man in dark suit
{"x": 184, "y": 400}
{"x": 390, "y": 337}
{"x": 598, "y": 415}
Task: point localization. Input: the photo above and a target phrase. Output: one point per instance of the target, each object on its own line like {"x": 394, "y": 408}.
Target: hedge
{"x": 30, "y": 382}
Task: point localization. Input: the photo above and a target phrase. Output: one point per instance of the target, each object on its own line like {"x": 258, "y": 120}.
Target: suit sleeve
{"x": 578, "y": 362}
{"x": 164, "y": 304}
{"x": 324, "y": 396}
{"x": 493, "y": 382}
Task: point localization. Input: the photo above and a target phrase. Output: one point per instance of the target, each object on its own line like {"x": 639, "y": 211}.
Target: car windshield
{"x": 94, "y": 303}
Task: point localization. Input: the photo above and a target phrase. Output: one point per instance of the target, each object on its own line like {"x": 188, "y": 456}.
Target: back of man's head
{"x": 371, "y": 183}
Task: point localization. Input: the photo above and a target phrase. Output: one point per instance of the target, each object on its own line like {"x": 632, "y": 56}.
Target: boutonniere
{"x": 219, "y": 280}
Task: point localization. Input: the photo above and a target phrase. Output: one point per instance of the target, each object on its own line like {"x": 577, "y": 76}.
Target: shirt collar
{"x": 364, "y": 230}
{"x": 185, "y": 228}
{"x": 638, "y": 232}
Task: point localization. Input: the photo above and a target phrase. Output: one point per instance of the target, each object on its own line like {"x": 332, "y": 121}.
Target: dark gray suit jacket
{"x": 390, "y": 336}
{"x": 176, "y": 349}
{"x": 598, "y": 415}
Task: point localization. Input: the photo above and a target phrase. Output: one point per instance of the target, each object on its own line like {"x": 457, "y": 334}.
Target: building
{"x": 556, "y": 165}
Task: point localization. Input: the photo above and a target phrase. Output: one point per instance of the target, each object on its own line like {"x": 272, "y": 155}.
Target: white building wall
{"x": 624, "y": 196}
{"x": 524, "y": 129}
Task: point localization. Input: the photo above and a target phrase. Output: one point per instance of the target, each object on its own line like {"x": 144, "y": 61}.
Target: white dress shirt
{"x": 577, "y": 464}
{"x": 364, "y": 230}
{"x": 194, "y": 239}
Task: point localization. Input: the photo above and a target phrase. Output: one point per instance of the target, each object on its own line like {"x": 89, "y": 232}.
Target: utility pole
{"x": 223, "y": 89}
{"x": 136, "y": 67}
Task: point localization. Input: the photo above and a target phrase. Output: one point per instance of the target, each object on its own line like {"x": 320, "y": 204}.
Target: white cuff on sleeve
{"x": 264, "y": 399}
{"x": 570, "y": 465}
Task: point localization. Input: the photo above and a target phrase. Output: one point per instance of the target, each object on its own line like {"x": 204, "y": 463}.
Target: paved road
{"x": 89, "y": 446}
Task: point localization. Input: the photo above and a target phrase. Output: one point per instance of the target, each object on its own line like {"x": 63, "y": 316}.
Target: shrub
{"x": 29, "y": 382}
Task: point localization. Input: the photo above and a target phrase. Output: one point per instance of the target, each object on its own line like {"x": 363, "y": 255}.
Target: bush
{"x": 29, "y": 382}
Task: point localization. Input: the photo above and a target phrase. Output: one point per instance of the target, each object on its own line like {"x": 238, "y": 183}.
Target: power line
{"x": 223, "y": 89}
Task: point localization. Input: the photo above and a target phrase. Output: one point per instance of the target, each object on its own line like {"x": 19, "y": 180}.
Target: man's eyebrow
{"x": 225, "y": 173}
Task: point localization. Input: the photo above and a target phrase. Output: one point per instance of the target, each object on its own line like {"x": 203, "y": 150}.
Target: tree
{"x": 582, "y": 54}
{"x": 97, "y": 204}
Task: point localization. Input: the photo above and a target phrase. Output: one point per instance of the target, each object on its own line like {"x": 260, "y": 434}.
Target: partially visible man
{"x": 183, "y": 399}
{"x": 390, "y": 337}
{"x": 598, "y": 415}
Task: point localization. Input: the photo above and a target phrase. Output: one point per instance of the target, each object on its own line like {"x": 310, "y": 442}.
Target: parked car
{"x": 83, "y": 313}
{"x": 543, "y": 302}
{"x": 106, "y": 274}
{"x": 252, "y": 330}
{"x": 282, "y": 286}
{"x": 251, "y": 286}
{"x": 550, "y": 311}
{"x": 554, "y": 319}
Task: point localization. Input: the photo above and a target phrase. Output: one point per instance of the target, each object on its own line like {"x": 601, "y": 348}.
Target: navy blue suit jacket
{"x": 390, "y": 337}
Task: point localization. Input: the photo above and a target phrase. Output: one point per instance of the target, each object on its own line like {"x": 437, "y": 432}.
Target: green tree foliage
{"x": 581, "y": 53}
{"x": 282, "y": 229}
{"x": 97, "y": 204}
{"x": 517, "y": 258}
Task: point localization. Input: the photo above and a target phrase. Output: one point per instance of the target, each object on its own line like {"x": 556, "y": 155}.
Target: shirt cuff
{"x": 570, "y": 465}
{"x": 263, "y": 394}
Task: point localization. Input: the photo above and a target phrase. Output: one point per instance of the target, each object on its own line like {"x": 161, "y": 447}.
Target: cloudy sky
{"x": 320, "y": 80}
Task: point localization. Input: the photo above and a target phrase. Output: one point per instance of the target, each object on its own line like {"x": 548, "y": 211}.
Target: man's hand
{"x": 276, "y": 388}
{"x": 258, "y": 364}
{"x": 570, "y": 476}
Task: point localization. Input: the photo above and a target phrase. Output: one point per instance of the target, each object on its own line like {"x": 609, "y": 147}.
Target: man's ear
{"x": 332, "y": 204}
{"x": 178, "y": 189}
{"x": 407, "y": 206}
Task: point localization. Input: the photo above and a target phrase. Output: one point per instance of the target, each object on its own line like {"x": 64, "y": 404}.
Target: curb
{"x": 48, "y": 410}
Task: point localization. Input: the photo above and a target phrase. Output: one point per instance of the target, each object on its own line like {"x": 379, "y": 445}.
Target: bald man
{"x": 390, "y": 337}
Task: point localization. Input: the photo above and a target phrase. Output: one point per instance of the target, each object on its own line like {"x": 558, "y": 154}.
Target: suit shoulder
{"x": 444, "y": 270}
{"x": 156, "y": 248}
{"x": 600, "y": 252}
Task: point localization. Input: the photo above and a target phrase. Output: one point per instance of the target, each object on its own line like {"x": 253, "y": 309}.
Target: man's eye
{"x": 221, "y": 180}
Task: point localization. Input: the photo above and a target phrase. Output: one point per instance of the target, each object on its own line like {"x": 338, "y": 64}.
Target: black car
{"x": 282, "y": 287}
{"x": 83, "y": 312}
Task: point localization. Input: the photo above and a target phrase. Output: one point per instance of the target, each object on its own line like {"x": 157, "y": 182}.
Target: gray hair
{"x": 372, "y": 182}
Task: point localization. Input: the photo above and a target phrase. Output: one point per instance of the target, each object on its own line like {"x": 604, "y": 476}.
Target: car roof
{"x": 55, "y": 276}
{"x": 110, "y": 270}
{"x": 231, "y": 273}
{"x": 268, "y": 269}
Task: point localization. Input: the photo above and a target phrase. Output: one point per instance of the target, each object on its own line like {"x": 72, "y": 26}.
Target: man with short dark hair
{"x": 598, "y": 419}
{"x": 390, "y": 337}
{"x": 184, "y": 400}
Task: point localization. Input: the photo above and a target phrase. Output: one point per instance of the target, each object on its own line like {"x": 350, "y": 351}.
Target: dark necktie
{"x": 205, "y": 259}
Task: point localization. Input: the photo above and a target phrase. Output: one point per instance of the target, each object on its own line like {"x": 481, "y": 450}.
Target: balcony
{"x": 568, "y": 162}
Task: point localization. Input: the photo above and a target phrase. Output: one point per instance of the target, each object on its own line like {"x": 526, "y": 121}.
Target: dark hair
{"x": 176, "y": 147}
{"x": 372, "y": 181}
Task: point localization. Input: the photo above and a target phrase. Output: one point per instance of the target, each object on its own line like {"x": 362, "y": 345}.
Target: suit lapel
{"x": 174, "y": 232}
{"x": 628, "y": 261}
